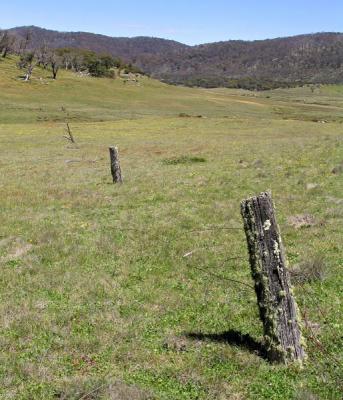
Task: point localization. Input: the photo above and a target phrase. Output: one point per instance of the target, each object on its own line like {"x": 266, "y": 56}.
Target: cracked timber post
{"x": 115, "y": 165}
{"x": 277, "y": 306}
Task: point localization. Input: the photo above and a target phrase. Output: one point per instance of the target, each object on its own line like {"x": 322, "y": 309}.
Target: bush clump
{"x": 183, "y": 160}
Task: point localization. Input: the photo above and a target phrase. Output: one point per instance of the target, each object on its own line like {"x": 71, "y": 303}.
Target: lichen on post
{"x": 277, "y": 306}
{"x": 115, "y": 165}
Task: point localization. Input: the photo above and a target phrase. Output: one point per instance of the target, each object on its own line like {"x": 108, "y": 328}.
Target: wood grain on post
{"x": 115, "y": 165}
{"x": 277, "y": 306}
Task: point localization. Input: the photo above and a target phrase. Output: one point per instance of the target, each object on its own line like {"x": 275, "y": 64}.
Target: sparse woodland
{"x": 257, "y": 65}
{"x": 77, "y": 60}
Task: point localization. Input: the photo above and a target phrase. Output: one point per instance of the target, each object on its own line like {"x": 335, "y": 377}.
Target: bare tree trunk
{"x": 55, "y": 69}
{"x": 70, "y": 135}
{"x": 115, "y": 165}
{"x": 28, "y": 73}
{"x": 277, "y": 306}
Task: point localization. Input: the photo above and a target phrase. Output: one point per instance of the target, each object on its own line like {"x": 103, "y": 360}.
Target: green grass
{"x": 96, "y": 295}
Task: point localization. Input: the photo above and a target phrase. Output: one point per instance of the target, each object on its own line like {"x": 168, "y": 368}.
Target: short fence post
{"x": 115, "y": 165}
{"x": 277, "y": 306}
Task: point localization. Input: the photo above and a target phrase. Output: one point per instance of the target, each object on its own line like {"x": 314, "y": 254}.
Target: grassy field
{"x": 99, "y": 301}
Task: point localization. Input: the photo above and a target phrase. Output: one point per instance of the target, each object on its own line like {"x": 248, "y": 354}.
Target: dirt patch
{"x": 14, "y": 248}
{"x": 227, "y": 99}
{"x": 311, "y": 186}
{"x": 5, "y": 242}
{"x": 312, "y": 270}
{"x": 300, "y": 221}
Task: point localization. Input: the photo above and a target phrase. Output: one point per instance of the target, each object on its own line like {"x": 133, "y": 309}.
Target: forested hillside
{"x": 263, "y": 64}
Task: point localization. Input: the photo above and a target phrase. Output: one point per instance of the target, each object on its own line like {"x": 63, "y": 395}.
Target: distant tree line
{"x": 256, "y": 84}
{"x": 78, "y": 60}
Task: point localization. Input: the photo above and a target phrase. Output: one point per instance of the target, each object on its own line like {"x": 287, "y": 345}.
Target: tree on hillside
{"x": 28, "y": 62}
{"x": 43, "y": 56}
{"x": 27, "y": 58}
{"x": 94, "y": 65}
{"x": 66, "y": 57}
{"x": 72, "y": 58}
{"x": 78, "y": 60}
{"x": 107, "y": 61}
{"x": 6, "y": 43}
{"x": 100, "y": 66}
{"x": 55, "y": 63}
{"x": 24, "y": 43}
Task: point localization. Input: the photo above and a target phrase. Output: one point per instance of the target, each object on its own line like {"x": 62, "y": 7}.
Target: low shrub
{"x": 183, "y": 160}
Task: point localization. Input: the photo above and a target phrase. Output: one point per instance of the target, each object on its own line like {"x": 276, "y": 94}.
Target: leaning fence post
{"x": 115, "y": 165}
{"x": 277, "y": 306}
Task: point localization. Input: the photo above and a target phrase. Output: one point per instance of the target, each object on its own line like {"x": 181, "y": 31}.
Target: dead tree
{"x": 70, "y": 136}
{"x": 6, "y": 43}
{"x": 115, "y": 165}
{"x": 277, "y": 306}
{"x": 55, "y": 66}
{"x": 28, "y": 62}
{"x": 23, "y": 44}
{"x": 43, "y": 55}
{"x": 55, "y": 62}
{"x": 29, "y": 71}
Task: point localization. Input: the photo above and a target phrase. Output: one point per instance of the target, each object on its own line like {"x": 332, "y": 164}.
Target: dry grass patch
{"x": 300, "y": 221}
{"x": 14, "y": 248}
{"x": 311, "y": 270}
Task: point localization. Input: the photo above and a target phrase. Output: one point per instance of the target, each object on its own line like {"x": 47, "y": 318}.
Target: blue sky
{"x": 188, "y": 21}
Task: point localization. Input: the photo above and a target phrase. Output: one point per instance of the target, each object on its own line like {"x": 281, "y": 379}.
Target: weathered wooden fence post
{"x": 277, "y": 306}
{"x": 115, "y": 165}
